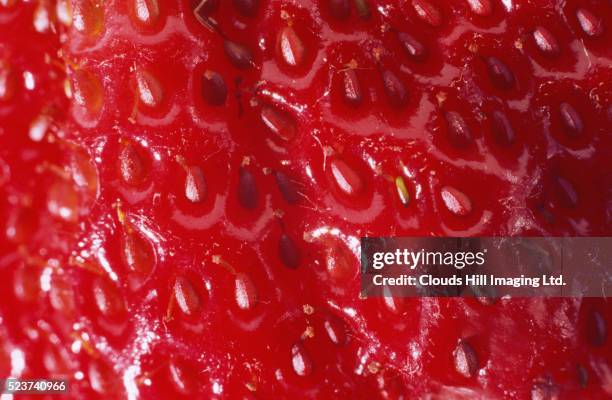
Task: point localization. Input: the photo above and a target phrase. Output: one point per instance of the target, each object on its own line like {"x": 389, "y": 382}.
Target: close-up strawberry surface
{"x": 184, "y": 185}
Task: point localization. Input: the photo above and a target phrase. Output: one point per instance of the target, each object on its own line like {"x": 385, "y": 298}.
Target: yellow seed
{"x": 402, "y": 191}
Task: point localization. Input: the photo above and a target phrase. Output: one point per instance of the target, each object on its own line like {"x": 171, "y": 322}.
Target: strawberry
{"x": 220, "y": 161}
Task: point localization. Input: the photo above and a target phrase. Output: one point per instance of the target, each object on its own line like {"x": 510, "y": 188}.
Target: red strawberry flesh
{"x": 184, "y": 219}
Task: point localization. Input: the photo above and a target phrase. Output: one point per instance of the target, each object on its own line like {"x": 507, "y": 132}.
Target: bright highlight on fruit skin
{"x": 184, "y": 185}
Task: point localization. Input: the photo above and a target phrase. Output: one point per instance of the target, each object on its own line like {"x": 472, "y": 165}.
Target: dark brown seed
{"x": 566, "y": 192}
{"x": 247, "y": 8}
{"x": 395, "y": 90}
{"x": 458, "y": 131}
{"x": 502, "y": 129}
{"x": 213, "y": 88}
{"x": 339, "y": 9}
{"x": 583, "y": 376}
{"x": 415, "y": 49}
{"x": 247, "y": 189}
{"x": 195, "y": 185}
{"x": 544, "y": 391}
{"x": 545, "y": 213}
{"x": 466, "y": 362}
{"x": 352, "y": 89}
{"x": 589, "y": 22}
{"x": 288, "y": 251}
{"x": 287, "y": 187}
{"x": 571, "y": 119}
{"x": 500, "y": 74}
{"x": 239, "y": 55}
{"x": 597, "y": 330}
{"x": 545, "y": 41}
{"x": 363, "y": 8}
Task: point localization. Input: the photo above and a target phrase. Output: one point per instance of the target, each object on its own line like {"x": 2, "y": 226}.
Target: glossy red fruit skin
{"x": 252, "y": 290}
{"x": 38, "y": 203}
